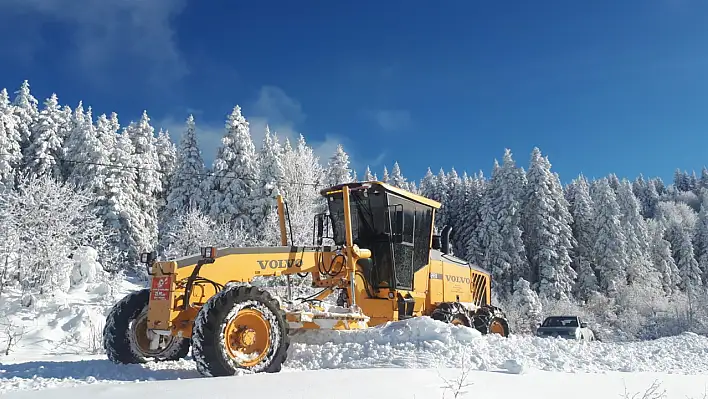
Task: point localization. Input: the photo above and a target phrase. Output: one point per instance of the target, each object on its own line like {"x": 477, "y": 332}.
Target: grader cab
{"x": 384, "y": 261}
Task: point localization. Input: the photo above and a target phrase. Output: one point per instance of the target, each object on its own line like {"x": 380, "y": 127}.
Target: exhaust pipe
{"x": 445, "y": 239}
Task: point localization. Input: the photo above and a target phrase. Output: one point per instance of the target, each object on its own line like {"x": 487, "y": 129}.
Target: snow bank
{"x": 427, "y": 343}
{"x": 61, "y": 322}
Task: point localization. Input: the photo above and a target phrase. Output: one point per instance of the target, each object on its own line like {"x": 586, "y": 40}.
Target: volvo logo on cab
{"x": 458, "y": 279}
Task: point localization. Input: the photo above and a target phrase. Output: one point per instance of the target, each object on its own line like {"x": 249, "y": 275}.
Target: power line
{"x": 315, "y": 184}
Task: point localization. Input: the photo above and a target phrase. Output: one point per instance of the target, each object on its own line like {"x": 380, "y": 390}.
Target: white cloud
{"x": 109, "y": 35}
{"x": 393, "y": 119}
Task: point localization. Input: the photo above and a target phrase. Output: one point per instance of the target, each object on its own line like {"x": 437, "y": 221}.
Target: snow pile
{"x": 60, "y": 323}
{"x": 426, "y": 343}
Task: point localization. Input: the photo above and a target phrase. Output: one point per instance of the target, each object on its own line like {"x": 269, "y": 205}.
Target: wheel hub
{"x": 141, "y": 337}
{"x": 244, "y": 337}
{"x": 496, "y": 327}
{"x": 248, "y": 337}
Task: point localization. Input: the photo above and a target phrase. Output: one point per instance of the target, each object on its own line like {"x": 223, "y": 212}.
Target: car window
{"x": 561, "y": 322}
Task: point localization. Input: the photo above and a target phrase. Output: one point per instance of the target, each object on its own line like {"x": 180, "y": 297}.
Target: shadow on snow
{"x": 98, "y": 369}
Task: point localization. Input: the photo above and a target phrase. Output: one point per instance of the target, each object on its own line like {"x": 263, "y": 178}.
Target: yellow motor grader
{"x": 385, "y": 262}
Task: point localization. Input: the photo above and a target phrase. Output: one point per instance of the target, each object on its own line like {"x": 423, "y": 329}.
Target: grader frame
{"x": 385, "y": 260}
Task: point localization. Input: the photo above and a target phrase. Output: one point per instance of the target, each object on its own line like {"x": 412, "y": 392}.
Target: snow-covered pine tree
{"x": 647, "y": 194}
{"x": 663, "y": 261}
{"x": 581, "y": 208}
{"x": 467, "y": 243}
{"x": 614, "y": 182}
{"x": 442, "y": 195}
{"x": 659, "y": 185}
{"x": 72, "y": 142}
{"x": 412, "y": 187}
{"x": 10, "y": 152}
{"x": 184, "y": 194}
{"x": 107, "y": 131}
{"x": 547, "y": 232}
{"x": 681, "y": 180}
{"x": 650, "y": 200}
{"x": 693, "y": 181}
{"x": 367, "y": 174}
{"x": 338, "y": 170}
{"x": 500, "y": 230}
{"x": 385, "y": 178}
{"x": 527, "y": 305}
{"x": 703, "y": 180}
{"x": 638, "y": 187}
{"x": 272, "y": 179}
{"x": 433, "y": 187}
{"x": 85, "y": 146}
{"x": 635, "y": 233}
{"x": 148, "y": 180}
{"x": 26, "y": 108}
{"x": 118, "y": 205}
{"x": 396, "y": 178}
{"x": 235, "y": 174}
{"x": 701, "y": 237}
{"x": 609, "y": 249}
{"x": 66, "y": 124}
{"x": 167, "y": 161}
{"x": 474, "y": 250}
{"x": 427, "y": 184}
{"x": 44, "y": 153}
{"x": 689, "y": 271}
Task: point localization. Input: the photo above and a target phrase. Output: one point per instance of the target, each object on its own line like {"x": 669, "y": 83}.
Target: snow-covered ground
{"x": 396, "y": 384}
{"x": 420, "y": 349}
{"x": 59, "y": 349}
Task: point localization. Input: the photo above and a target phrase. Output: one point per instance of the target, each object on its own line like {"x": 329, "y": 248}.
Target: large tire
{"x": 125, "y": 334}
{"x": 490, "y": 320}
{"x": 240, "y": 319}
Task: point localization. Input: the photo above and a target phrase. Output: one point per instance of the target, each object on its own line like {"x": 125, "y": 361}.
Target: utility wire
{"x": 315, "y": 184}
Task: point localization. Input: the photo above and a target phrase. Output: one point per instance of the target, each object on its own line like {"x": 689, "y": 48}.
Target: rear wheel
{"x": 240, "y": 327}
{"x": 125, "y": 335}
{"x": 491, "y": 320}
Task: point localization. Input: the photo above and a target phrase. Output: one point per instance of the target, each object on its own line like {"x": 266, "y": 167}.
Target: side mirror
{"x": 583, "y": 324}
{"x": 397, "y": 233}
{"x": 147, "y": 257}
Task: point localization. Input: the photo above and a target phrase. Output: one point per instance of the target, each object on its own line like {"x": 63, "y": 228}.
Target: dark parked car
{"x": 569, "y": 327}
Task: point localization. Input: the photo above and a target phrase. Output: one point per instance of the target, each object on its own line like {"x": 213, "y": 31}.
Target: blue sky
{"x": 599, "y": 86}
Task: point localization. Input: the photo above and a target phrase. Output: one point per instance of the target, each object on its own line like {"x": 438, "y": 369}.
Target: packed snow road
{"x": 420, "y": 343}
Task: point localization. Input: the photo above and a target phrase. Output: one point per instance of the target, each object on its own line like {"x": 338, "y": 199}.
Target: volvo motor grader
{"x": 385, "y": 261}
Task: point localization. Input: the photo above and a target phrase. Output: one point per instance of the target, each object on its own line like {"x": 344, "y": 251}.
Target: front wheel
{"x": 241, "y": 327}
{"x": 125, "y": 335}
